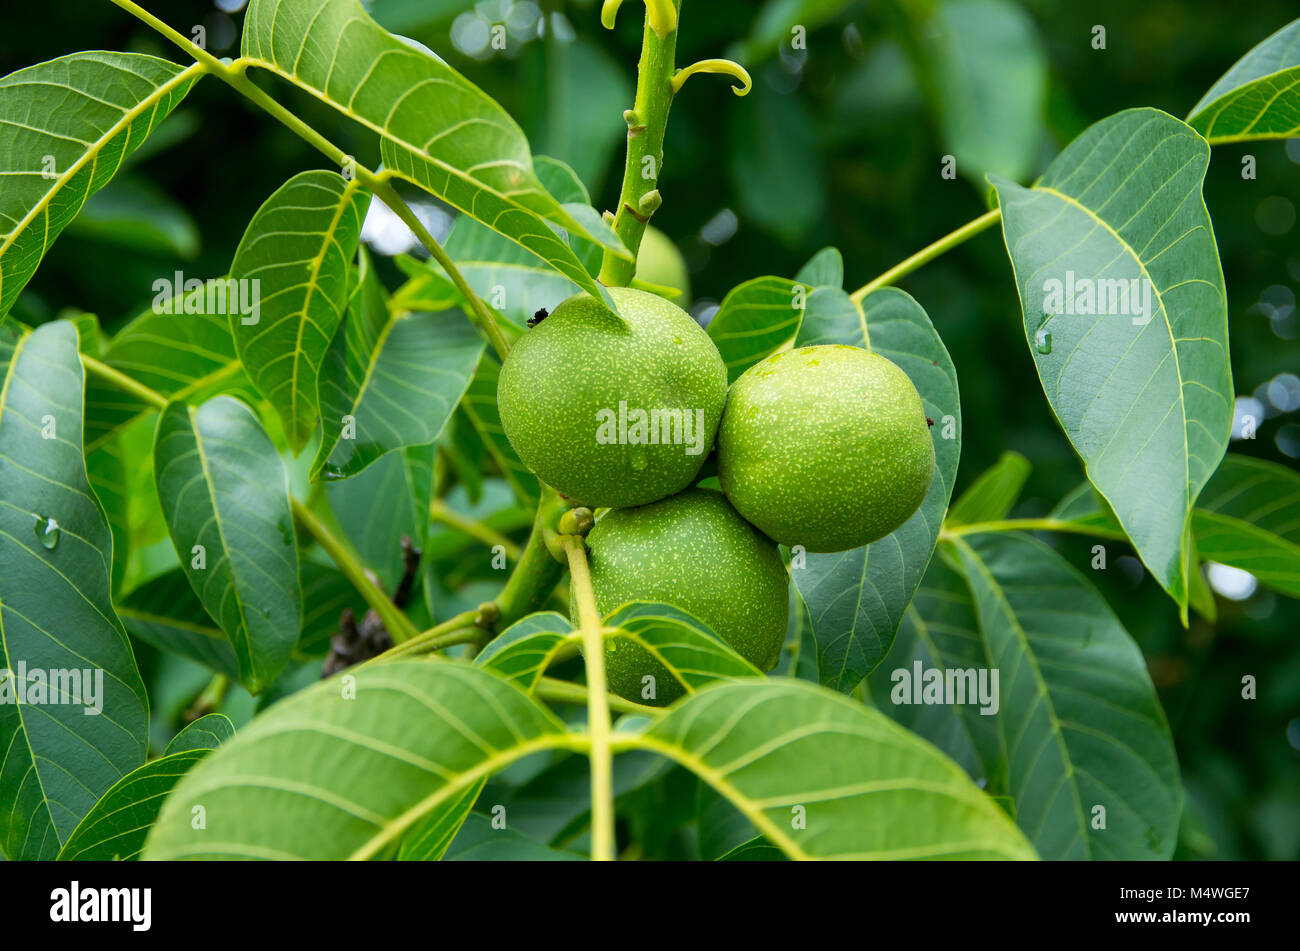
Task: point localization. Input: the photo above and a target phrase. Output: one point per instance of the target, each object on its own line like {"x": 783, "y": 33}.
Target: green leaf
{"x": 326, "y": 592}
{"x": 990, "y": 73}
{"x": 479, "y": 841}
{"x": 206, "y": 733}
{"x": 70, "y": 124}
{"x": 56, "y": 614}
{"x": 940, "y": 631}
{"x": 298, "y": 248}
{"x": 107, "y": 472}
{"x": 867, "y": 787}
{"x": 1144, "y": 392}
{"x": 413, "y": 735}
{"x": 391, "y": 379}
{"x": 430, "y": 837}
{"x": 856, "y": 598}
{"x": 522, "y": 652}
{"x": 1259, "y": 98}
{"x": 1249, "y": 517}
{"x": 755, "y": 319}
{"x": 388, "y": 500}
{"x": 115, "y": 829}
{"x": 480, "y": 405}
{"x": 991, "y": 496}
{"x": 1080, "y": 722}
{"x": 166, "y": 613}
{"x": 176, "y": 348}
{"x": 223, "y": 487}
{"x": 824, "y": 269}
{"x": 687, "y": 650}
{"x": 437, "y": 129}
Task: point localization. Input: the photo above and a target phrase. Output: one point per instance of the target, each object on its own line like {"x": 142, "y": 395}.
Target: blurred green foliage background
{"x": 840, "y": 143}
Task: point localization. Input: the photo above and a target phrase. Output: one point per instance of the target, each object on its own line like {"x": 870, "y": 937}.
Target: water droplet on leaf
{"x": 1043, "y": 341}
{"x": 47, "y": 530}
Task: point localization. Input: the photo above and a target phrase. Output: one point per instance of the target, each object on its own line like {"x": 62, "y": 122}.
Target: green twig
{"x": 399, "y": 626}
{"x": 593, "y": 650}
{"x": 928, "y": 254}
{"x": 646, "y": 122}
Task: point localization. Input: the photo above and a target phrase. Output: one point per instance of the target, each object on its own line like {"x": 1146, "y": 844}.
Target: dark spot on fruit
{"x": 538, "y": 317}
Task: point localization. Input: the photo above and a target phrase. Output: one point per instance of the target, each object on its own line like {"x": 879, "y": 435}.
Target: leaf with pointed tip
{"x": 56, "y": 613}
{"x": 871, "y": 789}
{"x": 991, "y": 496}
{"x": 1079, "y": 719}
{"x": 856, "y": 598}
{"x": 437, "y": 129}
{"x": 223, "y": 486}
{"x": 116, "y": 828}
{"x": 70, "y": 123}
{"x": 415, "y": 735}
{"x": 824, "y": 269}
{"x": 1259, "y": 97}
{"x": 1140, "y": 379}
{"x": 206, "y": 733}
{"x": 755, "y": 319}
{"x": 298, "y": 247}
{"x": 166, "y": 613}
{"x": 390, "y": 378}
{"x": 1249, "y": 517}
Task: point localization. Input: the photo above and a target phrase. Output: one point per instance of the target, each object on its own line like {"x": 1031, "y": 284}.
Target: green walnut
{"x": 613, "y": 414}
{"x": 826, "y": 447}
{"x": 693, "y": 551}
{"x": 659, "y": 262}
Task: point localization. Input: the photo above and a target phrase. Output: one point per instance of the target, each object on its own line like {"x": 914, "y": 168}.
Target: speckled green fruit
{"x": 693, "y": 551}
{"x": 572, "y": 387}
{"x": 825, "y": 447}
{"x": 659, "y": 262}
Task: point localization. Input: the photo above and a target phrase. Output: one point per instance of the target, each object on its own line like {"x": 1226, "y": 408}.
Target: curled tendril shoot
{"x": 662, "y": 15}
{"x": 724, "y": 67}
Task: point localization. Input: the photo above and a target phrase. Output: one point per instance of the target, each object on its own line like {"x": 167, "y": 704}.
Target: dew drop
{"x": 331, "y": 473}
{"x": 47, "y": 530}
{"x": 1043, "y": 341}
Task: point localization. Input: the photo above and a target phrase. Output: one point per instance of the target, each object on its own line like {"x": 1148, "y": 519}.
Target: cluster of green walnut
{"x": 824, "y": 447}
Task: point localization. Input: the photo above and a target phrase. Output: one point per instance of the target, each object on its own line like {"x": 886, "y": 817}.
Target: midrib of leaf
{"x": 1169, "y": 327}
{"x": 93, "y": 148}
{"x": 1057, "y": 734}
{"x": 313, "y": 286}
{"x": 862, "y": 322}
{"x": 244, "y": 647}
{"x": 149, "y": 617}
